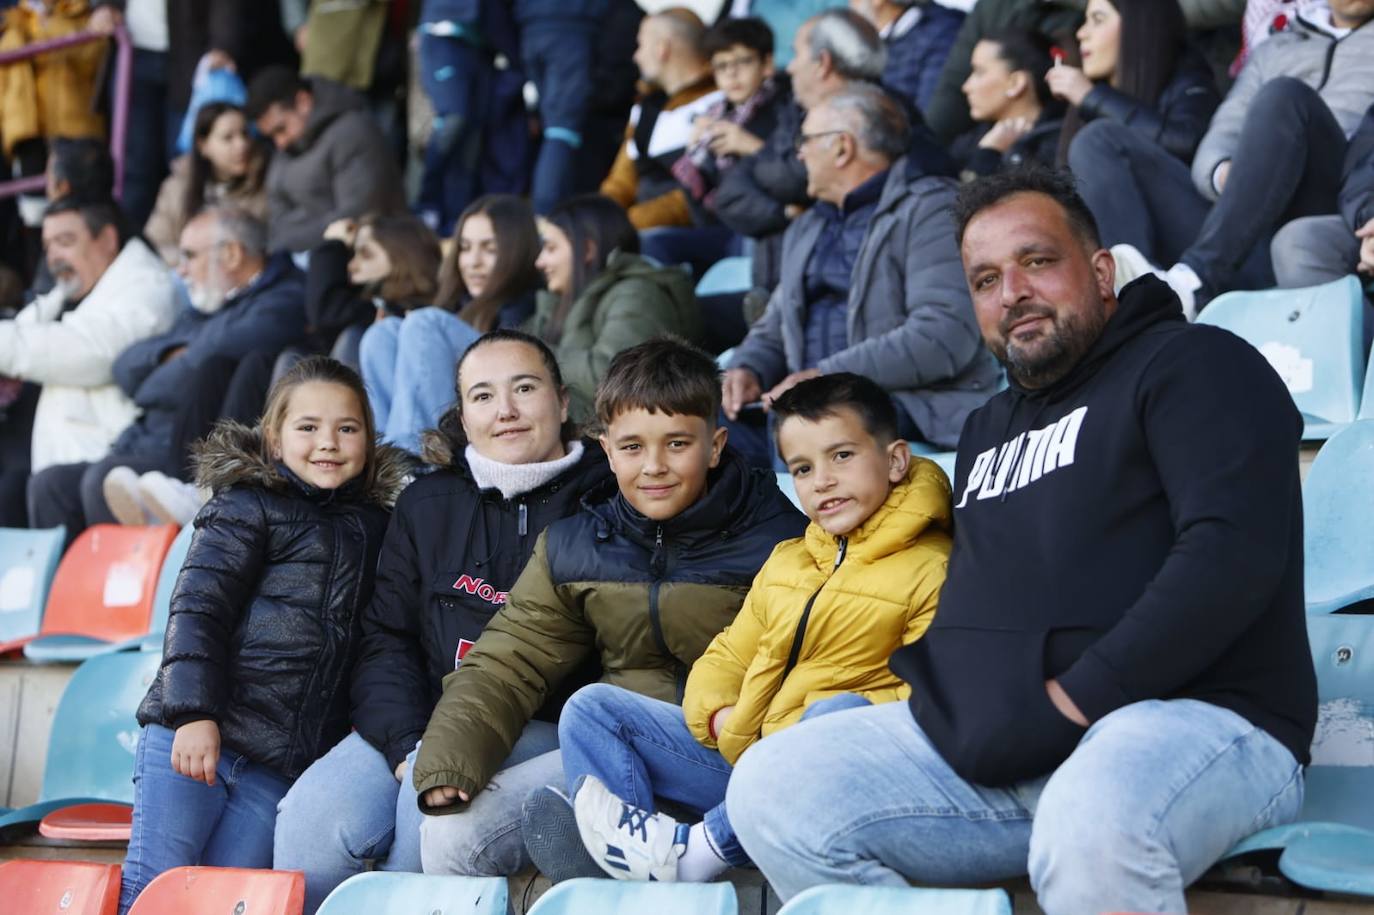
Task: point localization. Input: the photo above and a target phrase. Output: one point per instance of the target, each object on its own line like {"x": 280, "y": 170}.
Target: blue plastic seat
{"x": 585, "y": 896}
{"x": 729, "y": 274}
{"x": 889, "y": 900}
{"x": 162, "y": 598}
{"x": 1314, "y": 339}
{"x": 28, "y": 561}
{"x": 945, "y": 459}
{"x": 1367, "y": 397}
{"x": 789, "y": 488}
{"x": 1338, "y": 521}
{"x": 784, "y": 17}
{"x": 1329, "y": 847}
{"x": 94, "y": 735}
{"x": 382, "y": 893}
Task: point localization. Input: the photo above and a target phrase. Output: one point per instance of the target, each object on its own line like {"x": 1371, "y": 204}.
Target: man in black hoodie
{"x": 1117, "y": 687}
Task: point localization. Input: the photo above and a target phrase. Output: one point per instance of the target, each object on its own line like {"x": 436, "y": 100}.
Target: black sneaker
{"x": 549, "y": 828}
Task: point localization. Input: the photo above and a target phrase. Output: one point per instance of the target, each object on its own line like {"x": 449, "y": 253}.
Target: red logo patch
{"x": 463, "y": 646}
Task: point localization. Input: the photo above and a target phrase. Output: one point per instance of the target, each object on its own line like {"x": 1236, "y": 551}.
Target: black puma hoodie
{"x": 1134, "y": 530}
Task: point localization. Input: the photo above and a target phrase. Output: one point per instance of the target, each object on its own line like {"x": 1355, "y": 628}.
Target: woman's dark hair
{"x": 414, "y": 253}
{"x": 1154, "y": 37}
{"x": 595, "y": 223}
{"x": 751, "y": 32}
{"x": 1028, "y": 52}
{"x": 202, "y": 172}
{"x": 513, "y": 277}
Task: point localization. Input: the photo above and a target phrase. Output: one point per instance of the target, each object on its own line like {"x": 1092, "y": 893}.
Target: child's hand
{"x": 444, "y": 795}
{"x": 401, "y": 771}
{"x": 195, "y": 751}
{"x": 719, "y": 718}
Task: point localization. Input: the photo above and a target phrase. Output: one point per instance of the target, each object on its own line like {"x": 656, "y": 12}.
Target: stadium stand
{"x": 68, "y": 887}
{"x": 379, "y": 893}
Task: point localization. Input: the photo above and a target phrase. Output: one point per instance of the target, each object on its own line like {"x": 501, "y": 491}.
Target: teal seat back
{"x": 784, "y": 17}
{"x": 729, "y": 274}
{"x": 789, "y": 488}
{"x": 28, "y": 561}
{"x": 888, "y": 900}
{"x": 1340, "y": 780}
{"x": 1338, "y": 520}
{"x": 1367, "y": 397}
{"x": 167, "y": 579}
{"x": 585, "y": 896}
{"x": 94, "y": 733}
{"x": 382, "y": 893}
{"x": 1312, "y": 337}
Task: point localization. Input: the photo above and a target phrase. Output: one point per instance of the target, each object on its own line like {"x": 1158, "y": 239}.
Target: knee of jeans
{"x": 586, "y": 707}
{"x": 1098, "y": 141}
{"x": 450, "y": 845}
{"x": 1079, "y": 840}
{"x": 750, "y": 794}
{"x": 423, "y": 323}
{"x": 1283, "y": 92}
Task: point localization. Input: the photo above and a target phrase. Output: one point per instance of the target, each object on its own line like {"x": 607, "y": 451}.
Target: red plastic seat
{"x": 222, "y": 890}
{"x": 89, "y": 823}
{"x": 68, "y": 887}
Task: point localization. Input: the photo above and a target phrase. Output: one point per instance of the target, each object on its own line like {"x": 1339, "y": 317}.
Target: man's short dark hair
{"x": 275, "y": 85}
{"x": 988, "y": 192}
{"x": 818, "y": 398}
{"x": 748, "y": 31}
{"x": 95, "y": 212}
{"x": 85, "y": 165}
{"x": 662, "y": 375}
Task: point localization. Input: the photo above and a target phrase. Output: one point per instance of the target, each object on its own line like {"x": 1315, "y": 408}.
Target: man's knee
{"x": 1101, "y": 141}
{"x": 1284, "y": 95}
{"x": 1313, "y": 250}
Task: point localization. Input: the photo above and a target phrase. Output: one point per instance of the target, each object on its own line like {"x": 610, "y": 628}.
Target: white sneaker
{"x": 169, "y": 500}
{"x": 122, "y": 495}
{"x": 1185, "y": 283}
{"x": 626, "y": 842}
{"x": 1130, "y": 265}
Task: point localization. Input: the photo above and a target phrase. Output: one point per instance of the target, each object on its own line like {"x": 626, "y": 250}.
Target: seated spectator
{"x": 179, "y": 379}
{"x": 741, "y": 55}
{"x": 225, "y": 167}
{"x": 1141, "y": 103}
{"x": 870, "y": 283}
{"x": 80, "y": 168}
{"x": 263, "y": 627}
{"x": 111, "y": 292}
{"x": 813, "y": 636}
{"x": 332, "y": 161}
{"x": 488, "y": 277}
{"x": 437, "y": 587}
{"x": 918, "y": 35}
{"x": 682, "y": 532}
{"x": 602, "y": 297}
{"x": 670, "y": 60}
{"x": 1108, "y": 709}
{"x": 1274, "y": 151}
{"x": 1008, "y": 96}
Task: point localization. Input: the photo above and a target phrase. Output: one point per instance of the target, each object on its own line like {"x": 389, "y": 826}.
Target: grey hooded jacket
{"x": 910, "y": 322}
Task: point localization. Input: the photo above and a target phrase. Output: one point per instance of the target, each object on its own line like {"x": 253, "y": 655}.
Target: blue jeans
{"x": 640, "y": 748}
{"x": 345, "y": 809}
{"x": 408, "y": 366}
{"x": 1154, "y": 794}
{"x": 454, "y": 75}
{"x": 180, "y": 822}
{"x": 559, "y": 58}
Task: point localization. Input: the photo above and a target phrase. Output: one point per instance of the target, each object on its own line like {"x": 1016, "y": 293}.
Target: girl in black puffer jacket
{"x": 264, "y": 624}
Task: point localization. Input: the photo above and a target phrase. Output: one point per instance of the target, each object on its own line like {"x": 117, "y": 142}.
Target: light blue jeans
{"x": 1154, "y": 794}
{"x": 408, "y": 367}
{"x": 179, "y": 822}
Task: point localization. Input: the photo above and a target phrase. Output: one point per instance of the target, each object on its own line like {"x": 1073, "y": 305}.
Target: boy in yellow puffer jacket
{"x": 814, "y": 635}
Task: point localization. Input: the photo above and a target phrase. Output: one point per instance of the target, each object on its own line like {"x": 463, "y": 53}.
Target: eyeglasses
{"x": 803, "y": 138}
{"x": 731, "y": 64}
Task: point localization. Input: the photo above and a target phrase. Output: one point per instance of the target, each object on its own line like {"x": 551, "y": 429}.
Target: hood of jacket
{"x": 234, "y": 454}
{"x": 919, "y": 503}
{"x": 329, "y": 101}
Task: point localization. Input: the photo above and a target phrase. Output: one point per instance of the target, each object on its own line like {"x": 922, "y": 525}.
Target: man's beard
{"x": 205, "y": 299}
{"x": 1048, "y": 358}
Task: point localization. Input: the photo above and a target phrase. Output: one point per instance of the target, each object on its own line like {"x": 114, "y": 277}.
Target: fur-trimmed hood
{"x": 233, "y": 454}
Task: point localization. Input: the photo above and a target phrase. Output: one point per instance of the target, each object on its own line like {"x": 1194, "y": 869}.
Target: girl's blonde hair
{"x": 327, "y": 371}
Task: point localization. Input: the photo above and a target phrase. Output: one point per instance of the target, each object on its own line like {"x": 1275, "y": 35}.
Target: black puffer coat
{"x": 452, "y": 552}
{"x": 265, "y": 618}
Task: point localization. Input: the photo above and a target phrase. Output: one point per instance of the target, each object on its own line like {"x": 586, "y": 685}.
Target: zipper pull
{"x": 658, "y": 539}
{"x": 658, "y": 562}
{"x": 524, "y": 520}
{"x": 839, "y": 553}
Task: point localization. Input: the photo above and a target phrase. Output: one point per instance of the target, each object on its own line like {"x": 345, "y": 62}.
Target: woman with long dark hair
{"x": 488, "y": 278}
{"x": 1018, "y": 118}
{"x": 225, "y": 167}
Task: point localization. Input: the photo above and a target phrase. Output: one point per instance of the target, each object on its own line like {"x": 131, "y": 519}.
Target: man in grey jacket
{"x": 871, "y": 282}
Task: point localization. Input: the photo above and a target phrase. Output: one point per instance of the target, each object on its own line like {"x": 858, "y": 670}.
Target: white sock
{"x": 700, "y": 862}
{"x": 1185, "y": 283}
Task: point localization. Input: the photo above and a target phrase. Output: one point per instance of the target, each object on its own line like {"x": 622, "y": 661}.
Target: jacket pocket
{"x": 461, "y": 605}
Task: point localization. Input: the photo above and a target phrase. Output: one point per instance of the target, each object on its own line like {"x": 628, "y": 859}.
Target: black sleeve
{"x": 1357, "y": 189}
{"x": 1178, "y": 128}
{"x": 331, "y": 301}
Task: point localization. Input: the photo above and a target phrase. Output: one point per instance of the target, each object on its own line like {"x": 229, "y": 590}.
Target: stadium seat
{"x": 28, "y": 561}
{"x": 59, "y": 887}
{"x": 1367, "y": 397}
{"x": 586, "y": 896}
{"x": 1329, "y": 846}
{"x": 944, "y": 458}
{"x": 789, "y": 489}
{"x": 729, "y": 274}
{"x": 162, "y": 597}
{"x": 784, "y": 17}
{"x": 103, "y": 591}
{"x": 1338, "y": 521}
{"x": 888, "y": 900}
{"x": 89, "y": 823}
{"x": 1312, "y": 337}
{"x": 383, "y": 893}
{"x": 94, "y": 735}
{"x": 222, "y": 891}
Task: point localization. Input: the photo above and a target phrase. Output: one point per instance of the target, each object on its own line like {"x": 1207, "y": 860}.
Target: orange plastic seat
{"x": 89, "y": 823}
{"x": 103, "y": 591}
{"x": 68, "y": 887}
{"x": 222, "y": 890}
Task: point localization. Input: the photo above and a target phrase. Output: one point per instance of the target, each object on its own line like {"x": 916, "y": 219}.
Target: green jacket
{"x": 647, "y": 596}
{"x": 630, "y": 301}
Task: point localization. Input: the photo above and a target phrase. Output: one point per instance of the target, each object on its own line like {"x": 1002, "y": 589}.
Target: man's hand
{"x": 788, "y": 383}
{"x": 1064, "y": 704}
{"x": 1366, "y": 234}
{"x": 719, "y": 718}
{"x": 344, "y": 230}
{"x": 220, "y": 60}
{"x": 444, "y": 796}
{"x": 728, "y": 139}
{"x": 1221, "y": 174}
{"x": 739, "y": 387}
{"x": 1068, "y": 83}
{"x": 104, "y": 20}
{"x": 195, "y": 751}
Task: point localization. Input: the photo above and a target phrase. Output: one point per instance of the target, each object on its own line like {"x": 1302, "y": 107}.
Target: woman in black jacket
{"x": 1141, "y": 101}
{"x": 509, "y": 465}
{"x": 1019, "y": 120}
{"x": 264, "y": 624}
